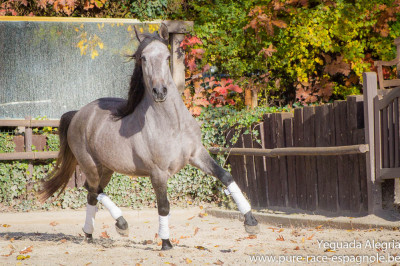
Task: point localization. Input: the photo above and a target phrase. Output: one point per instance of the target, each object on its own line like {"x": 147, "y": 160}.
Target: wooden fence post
{"x": 28, "y": 148}
{"x": 370, "y": 85}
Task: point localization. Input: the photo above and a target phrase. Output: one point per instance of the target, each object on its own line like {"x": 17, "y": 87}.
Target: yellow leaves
{"x": 153, "y": 27}
{"x": 5, "y": 225}
{"x": 280, "y": 238}
{"x": 100, "y": 26}
{"x": 89, "y": 44}
{"x": 94, "y": 54}
{"x": 22, "y": 257}
{"x": 188, "y": 261}
{"x": 129, "y": 28}
{"x": 196, "y": 230}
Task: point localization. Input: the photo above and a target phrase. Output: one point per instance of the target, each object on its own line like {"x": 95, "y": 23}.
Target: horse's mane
{"x": 136, "y": 90}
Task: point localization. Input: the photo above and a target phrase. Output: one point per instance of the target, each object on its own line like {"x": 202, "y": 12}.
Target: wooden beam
{"x": 293, "y": 151}
{"x": 28, "y": 155}
{"x": 28, "y": 123}
{"x": 390, "y": 173}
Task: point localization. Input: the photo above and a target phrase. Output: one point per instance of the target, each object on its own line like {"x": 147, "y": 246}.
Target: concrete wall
{"x": 49, "y": 66}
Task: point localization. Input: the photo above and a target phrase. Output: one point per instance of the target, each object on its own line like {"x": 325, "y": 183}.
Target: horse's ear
{"x": 139, "y": 36}
{"x": 163, "y": 32}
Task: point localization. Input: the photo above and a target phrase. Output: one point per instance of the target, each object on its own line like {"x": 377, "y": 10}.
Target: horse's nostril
{"x": 165, "y": 90}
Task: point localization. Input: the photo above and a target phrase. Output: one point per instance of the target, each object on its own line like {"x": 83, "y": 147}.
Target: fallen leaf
{"x": 191, "y": 218}
{"x": 188, "y": 261}
{"x": 280, "y": 238}
{"x": 309, "y": 238}
{"x": 296, "y": 248}
{"x": 105, "y": 226}
{"x": 66, "y": 252}
{"x": 319, "y": 226}
{"x": 201, "y": 215}
{"x": 214, "y": 228}
{"x": 26, "y": 250}
{"x": 8, "y": 255}
{"x": 218, "y": 262}
{"x": 251, "y": 237}
{"x": 216, "y": 246}
{"x": 54, "y": 223}
{"x": 293, "y": 241}
{"x": 104, "y": 235}
{"x": 302, "y": 240}
{"x": 200, "y": 247}
{"x": 329, "y": 250}
{"x": 196, "y": 230}
{"x": 6, "y": 225}
{"x": 280, "y": 230}
{"x": 63, "y": 240}
{"x": 12, "y": 239}
{"x": 22, "y": 257}
{"x": 138, "y": 264}
{"x": 161, "y": 254}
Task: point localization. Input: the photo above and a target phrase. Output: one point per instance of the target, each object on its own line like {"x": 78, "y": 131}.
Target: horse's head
{"x": 153, "y": 57}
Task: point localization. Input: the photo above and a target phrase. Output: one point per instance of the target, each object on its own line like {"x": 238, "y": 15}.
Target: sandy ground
{"x": 55, "y": 238}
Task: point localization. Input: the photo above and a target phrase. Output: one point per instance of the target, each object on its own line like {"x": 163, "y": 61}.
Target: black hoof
{"x": 122, "y": 226}
{"x": 166, "y": 245}
{"x": 251, "y": 224}
{"x": 88, "y": 238}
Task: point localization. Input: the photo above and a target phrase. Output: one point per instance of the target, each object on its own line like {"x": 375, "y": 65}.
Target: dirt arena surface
{"x": 56, "y": 238}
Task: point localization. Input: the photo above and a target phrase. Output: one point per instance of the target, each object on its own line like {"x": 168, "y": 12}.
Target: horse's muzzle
{"x": 160, "y": 94}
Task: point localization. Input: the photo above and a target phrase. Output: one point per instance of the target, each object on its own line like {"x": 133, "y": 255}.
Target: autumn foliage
{"x": 285, "y": 50}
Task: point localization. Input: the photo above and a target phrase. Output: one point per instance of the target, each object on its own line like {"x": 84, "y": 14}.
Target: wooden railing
{"x": 28, "y": 123}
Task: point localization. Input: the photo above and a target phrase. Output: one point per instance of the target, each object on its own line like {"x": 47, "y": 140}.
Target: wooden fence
{"x": 330, "y": 183}
{"x": 76, "y": 181}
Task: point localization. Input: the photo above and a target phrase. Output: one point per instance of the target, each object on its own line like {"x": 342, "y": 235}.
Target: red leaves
{"x": 104, "y": 235}
{"x": 210, "y": 91}
{"x": 190, "y": 41}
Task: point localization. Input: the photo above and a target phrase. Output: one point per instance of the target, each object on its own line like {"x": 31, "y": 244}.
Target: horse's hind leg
{"x": 159, "y": 183}
{"x": 204, "y": 162}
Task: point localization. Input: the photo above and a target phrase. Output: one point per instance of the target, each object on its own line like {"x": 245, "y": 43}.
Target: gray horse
{"x": 150, "y": 134}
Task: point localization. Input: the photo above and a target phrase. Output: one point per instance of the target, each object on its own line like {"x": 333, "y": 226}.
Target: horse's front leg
{"x": 159, "y": 183}
{"x": 207, "y": 164}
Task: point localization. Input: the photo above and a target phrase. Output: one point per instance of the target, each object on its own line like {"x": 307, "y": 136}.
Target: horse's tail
{"x": 65, "y": 165}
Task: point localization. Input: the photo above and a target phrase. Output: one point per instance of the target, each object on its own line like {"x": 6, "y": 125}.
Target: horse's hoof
{"x": 88, "y": 238}
{"x": 166, "y": 245}
{"x": 252, "y": 229}
{"x": 122, "y": 226}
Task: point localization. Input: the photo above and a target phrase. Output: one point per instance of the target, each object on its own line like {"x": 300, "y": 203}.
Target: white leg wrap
{"x": 91, "y": 210}
{"x": 112, "y": 208}
{"x": 163, "y": 230}
{"x": 237, "y": 195}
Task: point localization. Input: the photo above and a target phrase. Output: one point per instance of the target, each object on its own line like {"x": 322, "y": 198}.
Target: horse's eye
{"x": 143, "y": 58}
